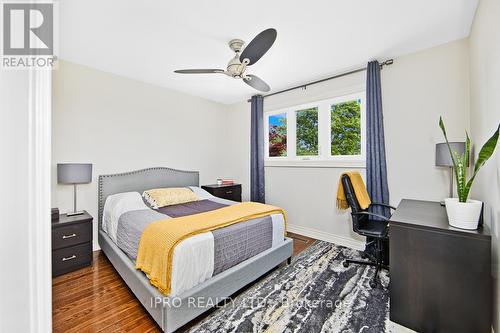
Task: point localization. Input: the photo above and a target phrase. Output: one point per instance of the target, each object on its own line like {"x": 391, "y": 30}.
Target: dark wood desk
{"x": 440, "y": 275}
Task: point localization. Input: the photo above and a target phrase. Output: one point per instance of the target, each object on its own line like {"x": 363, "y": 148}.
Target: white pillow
{"x": 115, "y": 206}
{"x": 201, "y": 193}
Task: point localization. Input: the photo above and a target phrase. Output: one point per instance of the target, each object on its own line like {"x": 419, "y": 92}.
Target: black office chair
{"x": 364, "y": 224}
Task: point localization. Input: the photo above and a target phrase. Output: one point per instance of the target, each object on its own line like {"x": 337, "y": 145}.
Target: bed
{"x": 174, "y": 311}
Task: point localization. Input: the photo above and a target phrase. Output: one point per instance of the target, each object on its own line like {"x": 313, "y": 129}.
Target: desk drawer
{"x": 229, "y": 193}
{"x": 71, "y": 258}
{"x": 71, "y": 235}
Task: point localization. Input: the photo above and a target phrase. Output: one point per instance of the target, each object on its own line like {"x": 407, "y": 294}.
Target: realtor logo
{"x": 28, "y": 35}
{"x": 28, "y": 29}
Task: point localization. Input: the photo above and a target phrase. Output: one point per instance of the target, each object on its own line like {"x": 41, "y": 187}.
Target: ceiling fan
{"x": 237, "y": 66}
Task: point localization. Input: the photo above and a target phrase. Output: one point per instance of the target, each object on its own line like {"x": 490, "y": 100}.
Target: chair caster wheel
{"x": 373, "y": 284}
{"x": 346, "y": 264}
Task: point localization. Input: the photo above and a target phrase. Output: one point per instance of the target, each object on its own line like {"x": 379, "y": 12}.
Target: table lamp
{"x": 443, "y": 157}
{"x": 74, "y": 173}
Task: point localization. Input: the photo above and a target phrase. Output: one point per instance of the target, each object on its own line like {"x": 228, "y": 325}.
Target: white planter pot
{"x": 464, "y": 215}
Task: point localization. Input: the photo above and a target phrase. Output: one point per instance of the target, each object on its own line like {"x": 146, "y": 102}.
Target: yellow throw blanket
{"x": 359, "y": 189}
{"x": 158, "y": 241}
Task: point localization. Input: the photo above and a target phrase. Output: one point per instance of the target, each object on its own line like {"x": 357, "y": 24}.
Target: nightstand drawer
{"x": 230, "y": 193}
{"x": 71, "y": 258}
{"x": 71, "y": 235}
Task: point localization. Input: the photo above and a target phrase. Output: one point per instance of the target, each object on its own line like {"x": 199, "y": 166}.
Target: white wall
{"x": 484, "y": 118}
{"x": 416, "y": 90}
{"x": 25, "y": 285}
{"x": 119, "y": 124}
{"x": 14, "y": 129}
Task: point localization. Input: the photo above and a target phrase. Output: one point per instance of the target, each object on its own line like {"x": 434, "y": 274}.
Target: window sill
{"x": 356, "y": 164}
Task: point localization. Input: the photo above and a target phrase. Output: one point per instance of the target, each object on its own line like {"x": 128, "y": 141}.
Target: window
{"x": 327, "y": 132}
{"x": 345, "y": 120}
{"x": 307, "y": 132}
{"x": 277, "y": 135}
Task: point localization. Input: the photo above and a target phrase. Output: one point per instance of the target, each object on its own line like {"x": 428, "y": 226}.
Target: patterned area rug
{"x": 313, "y": 294}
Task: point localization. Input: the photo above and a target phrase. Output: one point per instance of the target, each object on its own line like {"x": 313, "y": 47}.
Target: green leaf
{"x": 487, "y": 150}
{"x": 460, "y": 162}
{"x": 485, "y": 153}
{"x": 453, "y": 159}
{"x": 461, "y": 171}
{"x": 467, "y": 149}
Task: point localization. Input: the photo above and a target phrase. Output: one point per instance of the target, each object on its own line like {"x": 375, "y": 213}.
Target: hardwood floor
{"x": 95, "y": 299}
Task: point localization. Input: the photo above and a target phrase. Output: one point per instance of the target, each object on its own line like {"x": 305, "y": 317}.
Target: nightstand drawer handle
{"x": 68, "y": 236}
{"x": 69, "y": 258}
{"x": 229, "y": 192}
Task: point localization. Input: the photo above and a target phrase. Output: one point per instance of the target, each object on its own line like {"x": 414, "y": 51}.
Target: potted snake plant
{"x": 463, "y": 212}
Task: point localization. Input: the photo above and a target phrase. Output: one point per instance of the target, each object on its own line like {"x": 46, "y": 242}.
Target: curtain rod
{"x": 385, "y": 63}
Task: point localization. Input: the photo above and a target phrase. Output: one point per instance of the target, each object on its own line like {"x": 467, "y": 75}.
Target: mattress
{"x": 200, "y": 257}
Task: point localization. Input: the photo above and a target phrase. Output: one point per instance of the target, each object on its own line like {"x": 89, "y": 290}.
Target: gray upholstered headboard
{"x": 142, "y": 180}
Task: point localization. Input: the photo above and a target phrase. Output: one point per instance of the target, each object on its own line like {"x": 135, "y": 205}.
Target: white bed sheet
{"x": 115, "y": 206}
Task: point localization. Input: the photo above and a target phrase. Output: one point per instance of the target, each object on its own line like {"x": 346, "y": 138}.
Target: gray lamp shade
{"x": 443, "y": 157}
{"x": 74, "y": 173}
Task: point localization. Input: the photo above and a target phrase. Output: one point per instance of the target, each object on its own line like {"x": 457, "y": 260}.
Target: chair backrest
{"x": 353, "y": 202}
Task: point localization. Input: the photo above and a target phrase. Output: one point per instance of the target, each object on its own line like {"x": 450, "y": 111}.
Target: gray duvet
{"x": 232, "y": 244}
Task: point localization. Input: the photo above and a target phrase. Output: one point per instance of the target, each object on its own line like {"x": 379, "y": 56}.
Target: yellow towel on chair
{"x": 158, "y": 241}
{"x": 359, "y": 189}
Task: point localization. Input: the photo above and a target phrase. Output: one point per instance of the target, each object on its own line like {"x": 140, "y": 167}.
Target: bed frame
{"x": 173, "y": 312}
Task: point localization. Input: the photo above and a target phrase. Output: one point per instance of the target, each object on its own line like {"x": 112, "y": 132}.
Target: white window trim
{"x": 324, "y": 158}
{"x": 315, "y": 163}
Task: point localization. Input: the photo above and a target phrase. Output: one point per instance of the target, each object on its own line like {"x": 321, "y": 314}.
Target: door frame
{"x": 39, "y": 202}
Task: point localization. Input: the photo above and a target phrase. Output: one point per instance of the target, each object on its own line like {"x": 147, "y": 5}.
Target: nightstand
{"x": 71, "y": 243}
{"x": 229, "y": 192}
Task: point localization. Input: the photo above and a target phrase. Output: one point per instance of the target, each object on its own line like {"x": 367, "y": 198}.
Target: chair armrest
{"x": 371, "y": 214}
{"x": 383, "y": 204}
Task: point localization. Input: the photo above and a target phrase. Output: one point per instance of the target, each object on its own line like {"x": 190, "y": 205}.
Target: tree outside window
{"x": 327, "y": 132}
{"x": 307, "y": 132}
{"x": 277, "y": 135}
{"x": 346, "y": 128}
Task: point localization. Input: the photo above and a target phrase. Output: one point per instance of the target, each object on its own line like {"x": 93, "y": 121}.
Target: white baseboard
{"x": 327, "y": 237}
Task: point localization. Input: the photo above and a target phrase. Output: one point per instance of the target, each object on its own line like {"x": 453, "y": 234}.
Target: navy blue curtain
{"x": 257, "y": 184}
{"x": 376, "y": 169}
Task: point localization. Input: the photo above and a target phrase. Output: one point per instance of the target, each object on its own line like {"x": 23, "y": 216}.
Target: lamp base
{"x": 74, "y": 213}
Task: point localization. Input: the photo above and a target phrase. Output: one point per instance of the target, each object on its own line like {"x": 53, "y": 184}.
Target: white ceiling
{"x": 147, "y": 39}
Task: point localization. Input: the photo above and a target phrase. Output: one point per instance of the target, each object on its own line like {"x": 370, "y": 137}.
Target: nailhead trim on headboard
{"x": 130, "y": 173}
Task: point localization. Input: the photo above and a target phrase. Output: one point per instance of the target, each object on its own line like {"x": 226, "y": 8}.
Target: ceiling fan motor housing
{"x": 235, "y": 68}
